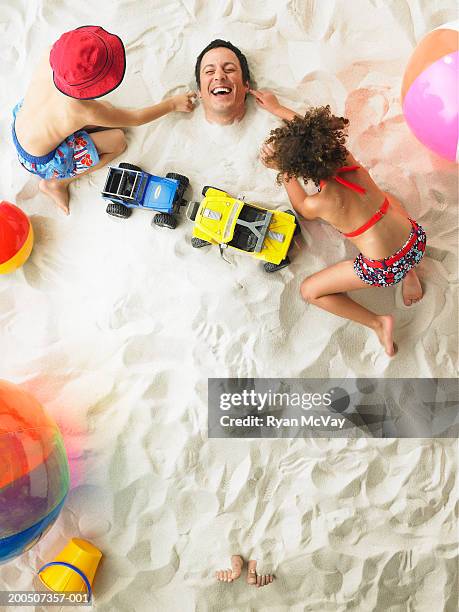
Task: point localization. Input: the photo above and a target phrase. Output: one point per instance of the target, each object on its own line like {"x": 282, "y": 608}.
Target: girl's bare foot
{"x": 411, "y": 288}
{"x": 58, "y": 190}
{"x": 254, "y": 579}
{"x": 385, "y": 330}
{"x": 232, "y": 574}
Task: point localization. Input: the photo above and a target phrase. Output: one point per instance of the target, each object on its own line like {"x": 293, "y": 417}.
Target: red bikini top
{"x": 378, "y": 214}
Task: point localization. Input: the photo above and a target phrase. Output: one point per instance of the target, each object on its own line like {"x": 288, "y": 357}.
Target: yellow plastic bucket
{"x": 73, "y": 569}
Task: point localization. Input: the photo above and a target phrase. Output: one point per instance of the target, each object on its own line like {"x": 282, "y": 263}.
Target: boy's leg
{"x": 326, "y": 288}
{"x": 109, "y": 144}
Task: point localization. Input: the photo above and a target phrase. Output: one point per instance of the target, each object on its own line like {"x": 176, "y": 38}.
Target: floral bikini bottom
{"x": 393, "y": 269}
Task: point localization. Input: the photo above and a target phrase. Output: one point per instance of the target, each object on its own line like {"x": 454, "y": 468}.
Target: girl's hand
{"x": 184, "y": 103}
{"x": 267, "y": 151}
{"x": 267, "y": 101}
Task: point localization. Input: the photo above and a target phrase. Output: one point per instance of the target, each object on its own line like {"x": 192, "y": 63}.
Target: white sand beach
{"x": 116, "y": 326}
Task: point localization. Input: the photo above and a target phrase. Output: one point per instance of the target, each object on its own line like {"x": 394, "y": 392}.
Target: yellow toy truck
{"x": 231, "y": 222}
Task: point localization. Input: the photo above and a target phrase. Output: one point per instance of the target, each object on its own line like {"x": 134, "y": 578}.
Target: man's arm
{"x": 299, "y": 199}
{"x": 104, "y": 114}
{"x": 269, "y": 102}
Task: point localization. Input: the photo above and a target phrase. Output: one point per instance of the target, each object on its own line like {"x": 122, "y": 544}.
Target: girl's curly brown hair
{"x": 310, "y": 147}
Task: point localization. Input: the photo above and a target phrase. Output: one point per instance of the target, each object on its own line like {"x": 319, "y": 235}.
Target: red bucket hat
{"x": 88, "y": 62}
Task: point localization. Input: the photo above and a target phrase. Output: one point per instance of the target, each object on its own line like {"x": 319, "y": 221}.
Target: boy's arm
{"x": 104, "y": 114}
{"x": 269, "y": 102}
{"x": 299, "y": 199}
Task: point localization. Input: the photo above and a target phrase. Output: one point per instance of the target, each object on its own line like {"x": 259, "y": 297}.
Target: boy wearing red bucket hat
{"x": 48, "y": 127}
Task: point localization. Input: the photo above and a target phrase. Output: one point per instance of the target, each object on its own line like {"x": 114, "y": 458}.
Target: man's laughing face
{"x": 223, "y": 90}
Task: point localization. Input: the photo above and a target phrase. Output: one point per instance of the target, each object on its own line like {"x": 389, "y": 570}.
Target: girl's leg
{"x": 411, "y": 288}
{"x": 109, "y": 144}
{"x": 326, "y": 288}
{"x": 411, "y": 285}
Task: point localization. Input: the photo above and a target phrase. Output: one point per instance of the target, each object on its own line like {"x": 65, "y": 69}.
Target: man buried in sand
{"x": 223, "y": 78}
{"x": 49, "y": 124}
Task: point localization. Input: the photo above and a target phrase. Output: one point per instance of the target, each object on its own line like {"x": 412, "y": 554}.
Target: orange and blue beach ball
{"x": 16, "y": 237}
{"x": 34, "y": 471}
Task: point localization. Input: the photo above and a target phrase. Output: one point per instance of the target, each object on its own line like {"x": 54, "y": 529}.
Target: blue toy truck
{"x": 128, "y": 186}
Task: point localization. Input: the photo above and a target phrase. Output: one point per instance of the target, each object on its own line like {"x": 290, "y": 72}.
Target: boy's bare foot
{"x": 411, "y": 288}
{"x": 254, "y": 579}
{"x": 384, "y": 331}
{"x": 58, "y": 190}
{"x": 230, "y": 575}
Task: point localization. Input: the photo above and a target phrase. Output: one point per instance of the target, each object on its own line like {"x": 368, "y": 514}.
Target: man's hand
{"x": 267, "y": 151}
{"x": 184, "y": 103}
{"x": 269, "y": 102}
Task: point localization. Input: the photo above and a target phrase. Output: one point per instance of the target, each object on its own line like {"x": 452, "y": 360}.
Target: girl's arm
{"x": 269, "y": 102}
{"x": 300, "y": 201}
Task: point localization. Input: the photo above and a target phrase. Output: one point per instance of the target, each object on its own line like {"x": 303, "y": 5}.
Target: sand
{"x": 116, "y": 327}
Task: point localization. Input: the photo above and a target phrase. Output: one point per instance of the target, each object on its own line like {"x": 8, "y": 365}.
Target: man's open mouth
{"x": 220, "y": 91}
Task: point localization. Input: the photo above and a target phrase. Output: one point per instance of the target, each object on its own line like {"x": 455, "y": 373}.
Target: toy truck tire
{"x": 206, "y": 187}
{"x": 272, "y": 267}
{"x": 184, "y": 181}
{"x": 125, "y": 166}
{"x": 165, "y": 220}
{"x": 198, "y": 243}
{"x": 297, "y": 225}
{"x": 115, "y": 209}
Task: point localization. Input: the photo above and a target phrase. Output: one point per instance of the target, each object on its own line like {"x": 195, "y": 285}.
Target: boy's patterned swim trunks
{"x": 73, "y": 156}
{"x": 391, "y": 270}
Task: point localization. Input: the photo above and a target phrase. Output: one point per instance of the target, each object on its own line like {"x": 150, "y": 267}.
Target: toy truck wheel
{"x": 272, "y": 267}
{"x": 165, "y": 220}
{"x": 204, "y": 189}
{"x": 183, "y": 180}
{"x": 115, "y": 209}
{"x": 198, "y": 243}
{"x": 297, "y": 225}
{"x": 129, "y": 167}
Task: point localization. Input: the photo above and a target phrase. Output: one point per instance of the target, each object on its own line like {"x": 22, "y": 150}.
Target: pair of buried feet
{"x": 237, "y": 565}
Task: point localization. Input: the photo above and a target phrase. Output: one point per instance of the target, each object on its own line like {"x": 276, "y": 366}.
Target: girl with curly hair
{"x": 391, "y": 244}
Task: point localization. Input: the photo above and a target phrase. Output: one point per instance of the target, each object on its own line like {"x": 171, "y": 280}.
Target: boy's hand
{"x": 266, "y": 100}
{"x": 267, "y": 150}
{"x": 184, "y": 103}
